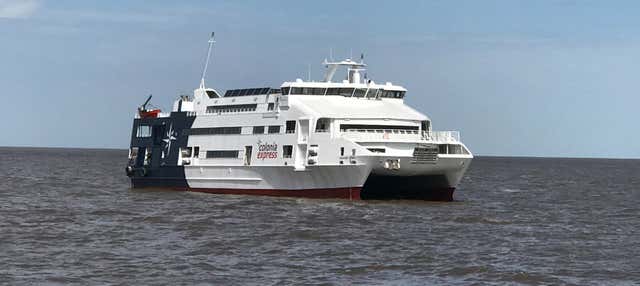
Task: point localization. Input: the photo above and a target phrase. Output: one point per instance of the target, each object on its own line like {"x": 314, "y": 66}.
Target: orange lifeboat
{"x": 149, "y": 113}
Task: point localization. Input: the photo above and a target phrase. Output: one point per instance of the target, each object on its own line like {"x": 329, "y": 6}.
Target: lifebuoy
{"x": 129, "y": 170}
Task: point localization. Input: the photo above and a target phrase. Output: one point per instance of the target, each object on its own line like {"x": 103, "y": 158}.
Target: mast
{"x": 206, "y": 63}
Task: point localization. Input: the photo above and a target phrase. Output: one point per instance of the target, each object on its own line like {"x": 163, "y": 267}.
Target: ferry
{"x": 352, "y": 138}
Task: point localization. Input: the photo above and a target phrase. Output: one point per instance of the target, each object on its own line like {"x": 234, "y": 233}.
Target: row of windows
{"x": 271, "y": 129}
{"x": 348, "y": 92}
{"x": 451, "y": 149}
{"x": 223, "y": 154}
{"x": 187, "y": 152}
{"x": 232, "y": 108}
{"x": 287, "y": 152}
{"x": 213, "y": 131}
{"x": 251, "y": 91}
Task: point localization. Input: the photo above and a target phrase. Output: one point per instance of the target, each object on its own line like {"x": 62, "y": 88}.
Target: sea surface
{"x": 69, "y": 217}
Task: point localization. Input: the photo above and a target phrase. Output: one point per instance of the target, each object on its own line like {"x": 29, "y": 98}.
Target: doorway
{"x": 247, "y": 155}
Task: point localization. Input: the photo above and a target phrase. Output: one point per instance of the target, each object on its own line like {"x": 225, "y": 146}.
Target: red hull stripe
{"x": 340, "y": 193}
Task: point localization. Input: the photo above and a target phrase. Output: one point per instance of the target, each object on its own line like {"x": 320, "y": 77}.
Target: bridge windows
{"x": 360, "y": 92}
{"x": 372, "y": 93}
{"x": 391, "y": 94}
{"x": 308, "y": 90}
{"x": 346, "y": 92}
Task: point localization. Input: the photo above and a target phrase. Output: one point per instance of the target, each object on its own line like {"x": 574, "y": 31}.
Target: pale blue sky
{"x": 517, "y": 78}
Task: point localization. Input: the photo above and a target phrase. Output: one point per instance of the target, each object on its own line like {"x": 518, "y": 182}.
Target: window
{"x": 442, "y": 149}
{"x": 317, "y": 91}
{"x": 274, "y": 129}
{"x": 223, "y": 154}
{"x": 346, "y": 92}
{"x": 258, "y": 129}
{"x": 455, "y": 149}
{"x": 392, "y": 93}
{"x": 287, "y": 151}
{"x": 212, "y": 94}
{"x": 271, "y": 106}
{"x": 426, "y": 125}
{"x": 215, "y": 131}
{"x": 360, "y": 92}
{"x": 185, "y": 152}
{"x": 247, "y": 91}
{"x": 377, "y": 150}
{"x": 322, "y": 125}
{"x": 285, "y": 90}
{"x": 333, "y": 91}
{"x": 341, "y": 151}
{"x": 196, "y": 151}
{"x": 308, "y": 90}
{"x": 372, "y": 93}
{"x": 291, "y": 126}
{"x": 143, "y": 131}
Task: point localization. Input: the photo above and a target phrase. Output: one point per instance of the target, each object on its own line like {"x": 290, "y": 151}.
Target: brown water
{"x": 69, "y": 217}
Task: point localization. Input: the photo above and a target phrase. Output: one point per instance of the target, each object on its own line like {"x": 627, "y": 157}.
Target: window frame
{"x": 273, "y": 129}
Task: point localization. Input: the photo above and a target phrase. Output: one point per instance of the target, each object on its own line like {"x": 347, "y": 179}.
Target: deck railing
{"x": 442, "y": 136}
{"x": 379, "y": 135}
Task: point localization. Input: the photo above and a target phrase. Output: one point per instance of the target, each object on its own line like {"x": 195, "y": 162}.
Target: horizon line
{"x": 474, "y": 155}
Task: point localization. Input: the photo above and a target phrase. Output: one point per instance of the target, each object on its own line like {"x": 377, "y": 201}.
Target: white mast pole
{"x": 206, "y": 64}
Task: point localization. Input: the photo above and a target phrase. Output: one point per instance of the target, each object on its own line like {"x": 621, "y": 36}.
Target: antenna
{"x": 309, "y": 72}
{"x": 331, "y": 54}
{"x": 206, "y": 64}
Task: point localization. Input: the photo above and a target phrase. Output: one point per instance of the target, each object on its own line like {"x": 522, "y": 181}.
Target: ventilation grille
{"x": 425, "y": 154}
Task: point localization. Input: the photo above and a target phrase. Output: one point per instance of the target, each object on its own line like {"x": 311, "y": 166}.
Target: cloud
{"x": 15, "y": 9}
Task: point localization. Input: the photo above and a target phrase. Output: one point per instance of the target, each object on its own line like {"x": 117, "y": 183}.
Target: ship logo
{"x": 170, "y": 136}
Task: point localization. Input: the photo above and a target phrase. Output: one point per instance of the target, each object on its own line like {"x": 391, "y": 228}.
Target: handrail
{"x": 381, "y": 135}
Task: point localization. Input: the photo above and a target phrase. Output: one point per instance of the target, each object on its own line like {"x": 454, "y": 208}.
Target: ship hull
{"x": 352, "y": 182}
